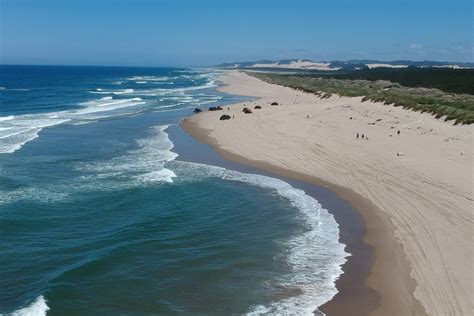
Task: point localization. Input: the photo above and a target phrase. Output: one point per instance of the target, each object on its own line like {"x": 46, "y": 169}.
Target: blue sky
{"x": 193, "y": 32}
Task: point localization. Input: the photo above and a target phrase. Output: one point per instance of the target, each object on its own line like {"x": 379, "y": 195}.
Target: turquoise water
{"x": 99, "y": 216}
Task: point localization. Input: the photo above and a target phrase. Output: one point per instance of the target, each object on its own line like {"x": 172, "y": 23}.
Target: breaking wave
{"x": 38, "y": 307}
{"x": 316, "y": 255}
{"x": 15, "y": 131}
{"x": 116, "y": 92}
{"x": 142, "y": 166}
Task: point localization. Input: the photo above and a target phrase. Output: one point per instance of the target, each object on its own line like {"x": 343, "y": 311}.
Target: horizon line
{"x": 230, "y": 62}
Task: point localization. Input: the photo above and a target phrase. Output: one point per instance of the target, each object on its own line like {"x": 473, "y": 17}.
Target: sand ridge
{"x": 421, "y": 179}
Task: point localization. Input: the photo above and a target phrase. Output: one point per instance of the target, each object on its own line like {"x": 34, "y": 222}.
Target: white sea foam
{"x": 16, "y": 141}
{"x": 6, "y": 118}
{"x": 14, "y": 89}
{"x": 210, "y": 84}
{"x": 108, "y": 104}
{"x": 39, "y": 195}
{"x": 204, "y": 102}
{"x": 22, "y": 129}
{"x": 116, "y": 92}
{"x": 106, "y": 101}
{"x": 142, "y": 166}
{"x": 170, "y": 106}
{"x": 38, "y": 307}
{"x": 163, "y": 175}
{"x": 140, "y": 82}
{"x": 316, "y": 255}
{"x": 15, "y": 131}
{"x": 175, "y": 91}
{"x": 180, "y": 98}
{"x": 150, "y": 78}
{"x": 84, "y": 122}
{"x": 124, "y": 91}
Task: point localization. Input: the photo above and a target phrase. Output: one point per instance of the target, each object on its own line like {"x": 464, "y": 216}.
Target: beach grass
{"x": 449, "y": 106}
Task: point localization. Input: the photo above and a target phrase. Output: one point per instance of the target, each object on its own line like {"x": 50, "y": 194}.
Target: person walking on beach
{"x": 362, "y": 136}
{"x": 398, "y": 132}
{"x": 357, "y": 136}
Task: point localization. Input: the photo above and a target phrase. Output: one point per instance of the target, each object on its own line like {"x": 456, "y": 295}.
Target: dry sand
{"x": 421, "y": 198}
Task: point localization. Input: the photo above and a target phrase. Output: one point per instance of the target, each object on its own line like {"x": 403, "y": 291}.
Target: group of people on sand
{"x": 362, "y": 136}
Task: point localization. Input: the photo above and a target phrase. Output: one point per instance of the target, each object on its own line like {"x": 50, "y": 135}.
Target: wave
{"x": 208, "y": 85}
{"x": 106, "y": 101}
{"x": 10, "y": 146}
{"x": 6, "y": 118}
{"x": 316, "y": 255}
{"x": 37, "y": 195}
{"x": 116, "y": 92}
{"x": 15, "y": 131}
{"x": 142, "y": 166}
{"x": 38, "y": 307}
{"x": 164, "y": 92}
{"x": 23, "y": 129}
{"x": 108, "y": 105}
{"x": 150, "y": 78}
{"x": 180, "y": 98}
{"x": 163, "y": 175}
{"x": 18, "y": 130}
{"x": 198, "y": 103}
{"x": 170, "y": 106}
{"x": 13, "y": 89}
{"x": 124, "y": 91}
{"x": 173, "y": 110}
{"x": 197, "y": 99}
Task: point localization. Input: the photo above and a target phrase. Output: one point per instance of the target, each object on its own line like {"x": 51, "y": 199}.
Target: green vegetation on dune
{"x": 445, "y": 79}
{"x": 457, "y": 107}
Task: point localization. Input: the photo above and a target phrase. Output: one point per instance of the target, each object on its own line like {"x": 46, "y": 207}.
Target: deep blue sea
{"x": 99, "y": 216}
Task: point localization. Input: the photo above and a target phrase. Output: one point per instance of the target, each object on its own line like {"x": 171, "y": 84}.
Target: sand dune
{"x": 426, "y": 190}
{"x": 299, "y": 64}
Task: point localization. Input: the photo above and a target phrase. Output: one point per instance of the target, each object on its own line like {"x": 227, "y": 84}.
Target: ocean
{"x": 99, "y": 215}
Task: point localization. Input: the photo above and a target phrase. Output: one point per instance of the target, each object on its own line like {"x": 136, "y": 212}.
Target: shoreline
{"x": 355, "y": 292}
{"x": 351, "y": 228}
{"x": 414, "y": 212}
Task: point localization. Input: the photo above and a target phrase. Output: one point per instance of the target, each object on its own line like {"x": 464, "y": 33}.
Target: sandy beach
{"x": 413, "y": 190}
